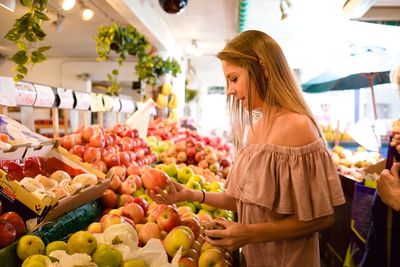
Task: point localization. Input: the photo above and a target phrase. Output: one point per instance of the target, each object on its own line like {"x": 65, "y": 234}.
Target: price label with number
{"x": 25, "y": 94}
{"x": 96, "y": 104}
{"x": 7, "y": 92}
{"x": 45, "y": 96}
{"x": 127, "y": 106}
{"x": 66, "y": 98}
{"x": 83, "y": 100}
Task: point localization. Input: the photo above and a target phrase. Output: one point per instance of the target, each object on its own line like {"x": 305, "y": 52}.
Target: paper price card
{"x": 116, "y": 105}
{"x": 45, "y": 96}
{"x": 83, "y": 100}
{"x": 7, "y": 92}
{"x": 108, "y": 103}
{"x": 25, "y": 94}
{"x": 96, "y": 104}
{"x": 127, "y": 106}
{"x": 66, "y": 98}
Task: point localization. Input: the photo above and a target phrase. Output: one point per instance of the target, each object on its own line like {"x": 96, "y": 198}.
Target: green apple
{"x": 181, "y": 203}
{"x": 107, "y": 256}
{"x": 147, "y": 198}
{"x": 55, "y": 245}
{"x": 184, "y": 174}
{"x": 36, "y": 260}
{"x": 231, "y": 215}
{"x": 220, "y": 213}
{"x": 216, "y": 186}
{"x": 173, "y": 179}
{"x": 207, "y": 207}
{"x": 161, "y": 166}
{"x": 207, "y": 186}
{"x": 192, "y": 206}
{"x": 134, "y": 263}
{"x": 193, "y": 185}
{"x": 29, "y": 245}
{"x": 139, "y": 192}
{"x": 163, "y": 146}
{"x": 171, "y": 169}
{"x": 198, "y": 178}
{"x": 197, "y": 205}
{"x": 81, "y": 242}
{"x": 177, "y": 237}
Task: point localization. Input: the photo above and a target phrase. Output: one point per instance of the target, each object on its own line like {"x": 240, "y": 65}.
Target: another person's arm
{"x": 388, "y": 186}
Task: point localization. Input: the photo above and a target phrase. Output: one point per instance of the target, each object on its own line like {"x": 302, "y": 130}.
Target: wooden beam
{"x": 357, "y": 8}
{"x": 382, "y": 13}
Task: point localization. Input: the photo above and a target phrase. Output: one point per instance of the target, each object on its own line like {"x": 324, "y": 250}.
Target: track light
{"x": 86, "y": 13}
{"x": 8, "y": 4}
{"x": 57, "y": 24}
{"x": 68, "y": 4}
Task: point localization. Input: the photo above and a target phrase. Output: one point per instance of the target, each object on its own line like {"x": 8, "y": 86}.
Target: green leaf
{"x": 27, "y": 3}
{"x": 20, "y": 58}
{"x": 30, "y": 36}
{"x": 37, "y": 57}
{"x": 44, "y": 48}
{"x": 21, "y": 45}
{"x": 41, "y": 15}
{"x": 115, "y": 72}
{"x": 22, "y": 69}
{"x": 12, "y": 35}
{"x": 18, "y": 77}
{"x": 38, "y": 31}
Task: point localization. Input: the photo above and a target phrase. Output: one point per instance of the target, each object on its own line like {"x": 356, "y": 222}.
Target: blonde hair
{"x": 267, "y": 68}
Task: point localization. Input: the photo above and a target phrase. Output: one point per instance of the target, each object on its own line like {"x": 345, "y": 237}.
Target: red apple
{"x": 153, "y": 178}
{"x": 91, "y": 154}
{"x": 120, "y": 171}
{"x": 193, "y": 224}
{"x": 115, "y": 183}
{"x": 109, "y": 199}
{"x": 110, "y": 219}
{"x": 68, "y": 141}
{"x": 187, "y": 262}
{"x": 7, "y": 233}
{"x": 133, "y": 211}
{"x": 141, "y": 202}
{"x": 124, "y": 199}
{"x": 97, "y": 140}
{"x": 203, "y": 164}
{"x": 133, "y": 168}
{"x": 127, "y": 187}
{"x": 129, "y": 220}
{"x": 148, "y": 231}
{"x": 181, "y": 156}
{"x": 16, "y": 220}
{"x": 112, "y": 160}
{"x": 168, "y": 219}
{"x": 125, "y": 158}
{"x": 77, "y": 150}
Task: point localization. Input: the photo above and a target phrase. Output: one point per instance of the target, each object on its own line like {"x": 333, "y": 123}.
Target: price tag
{"x": 45, "y": 96}
{"x": 7, "y": 92}
{"x": 96, "y": 104}
{"x": 127, "y": 106}
{"x": 108, "y": 102}
{"x": 66, "y": 98}
{"x": 25, "y": 93}
{"x": 83, "y": 101}
{"x": 116, "y": 105}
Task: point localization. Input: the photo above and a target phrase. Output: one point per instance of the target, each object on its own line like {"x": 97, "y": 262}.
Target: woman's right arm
{"x": 178, "y": 193}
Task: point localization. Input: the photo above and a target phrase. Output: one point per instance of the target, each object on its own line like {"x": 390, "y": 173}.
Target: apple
{"x": 181, "y": 156}
{"x": 115, "y": 183}
{"x": 105, "y": 255}
{"x": 193, "y": 185}
{"x": 141, "y": 202}
{"x": 109, "y": 199}
{"x": 225, "y": 163}
{"x": 171, "y": 169}
{"x": 133, "y": 211}
{"x": 206, "y": 207}
{"x": 97, "y": 140}
{"x": 124, "y": 199}
{"x": 91, "y": 154}
{"x": 136, "y": 179}
{"x": 177, "y": 237}
{"x": 7, "y": 233}
{"x": 124, "y": 158}
{"x": 199, "y": 156}
{"x": 193, "y": 224}
{"x": 16, "y": 220}
{"x": 77, "y": 150}
{"x": 134, "y": 263}
{"x": 187, "y": 262}
{"x": 100, "y": 165}
{"x": 133, "y": 168}
{"x": 204, "y": 218}
{"x": 184, "y": 174}
{"x": 183, "y": 209}
{"x": 198, "y": 178}
{"x": 153, "y": 178}
{"x": 128, "y": 220}
{"x": 81, "y": 242}
{"x": 55, "y": 245}
{"x": 180, "y": 146}
{"x": 216, "y": 186}
{"x": 212, "y": 257}
{"x": 193, "y": 254}
{"x": 220, "y": 213}
{"x": 127, "y": 187}
{"x": 68, "y": 141}
{"x": 197, "y": 245}
{"x": 148, "y": 199}
{"x": 139, "y": 192}
{"x": 120, "y": 171}
{"x": 36, "y": 261}
{"x": 205, "y": 246}
{"x": 148, "y": 231}
{"x": 110, "y": 219}
{"x": 168, "y": 219}
{"x": 29, "y": 245}
{"x": 226, "y": 171}
{"x": 191, "y": 151}
{"x": 95, "y": 228}
{"x": 203, "y": 164}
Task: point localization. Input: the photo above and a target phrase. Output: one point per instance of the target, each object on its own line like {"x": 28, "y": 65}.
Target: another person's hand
{"x": 388, "y": 186}
{"x": 395, "y": 140}
{"x": 176, "y": 193}
{"x": 233, "y": 236}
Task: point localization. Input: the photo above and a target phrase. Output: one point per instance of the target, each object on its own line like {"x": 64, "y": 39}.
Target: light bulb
{"x": 87, "y": 14}
{"x": 68, "y": 4}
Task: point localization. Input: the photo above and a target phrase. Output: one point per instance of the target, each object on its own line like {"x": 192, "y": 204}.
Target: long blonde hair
{"x": 267, "y": 68}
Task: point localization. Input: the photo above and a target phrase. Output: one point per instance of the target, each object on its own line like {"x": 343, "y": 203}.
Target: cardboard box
{"x": 17, "y": 198}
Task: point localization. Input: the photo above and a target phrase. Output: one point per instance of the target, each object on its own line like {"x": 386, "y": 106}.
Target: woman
{"x": 283, "y": 183}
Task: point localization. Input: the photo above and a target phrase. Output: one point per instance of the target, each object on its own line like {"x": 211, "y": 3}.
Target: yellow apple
{"x": 29, "y": 245}
{"x": 212, "y": 257}
{"x": 177, "y": 237}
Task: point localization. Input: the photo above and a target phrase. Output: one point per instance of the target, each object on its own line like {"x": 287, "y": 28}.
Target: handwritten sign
{"x": 45, "y": 96}
{"x": 66, "y": 98}
{"x": 83, "y": 101}
{"x": 127, "y": 106}
{"x": 7, "y": 92}
{"x": 25, "y": 94}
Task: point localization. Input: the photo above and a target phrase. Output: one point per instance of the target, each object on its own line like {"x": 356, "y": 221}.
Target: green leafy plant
{"x": 150, "y": 67}
{"x": 26, "y": 33}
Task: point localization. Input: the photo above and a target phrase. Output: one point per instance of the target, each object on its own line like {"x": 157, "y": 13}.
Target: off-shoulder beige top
{"x": 271, "y": 182}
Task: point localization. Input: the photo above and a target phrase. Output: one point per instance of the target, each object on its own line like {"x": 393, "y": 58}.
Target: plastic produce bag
{"x": 141, "y": 118}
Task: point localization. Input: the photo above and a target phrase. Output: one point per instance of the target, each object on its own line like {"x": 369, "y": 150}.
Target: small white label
{"x": 83, "y": 101}
{"x": 25, "y": 93}
{"x": 66, "y": 98}
{"x": 116, "y": 105}
{"x": 127, "y": 106}
{"x": 108, "y": 102}
{"x": 44, "y": 96}
{"x": 7, "y": 92}
{"x": 96, "y": 104}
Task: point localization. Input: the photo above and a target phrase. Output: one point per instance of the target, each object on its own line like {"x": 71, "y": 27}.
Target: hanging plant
{"x": 26, "y": 33}
{"x": 150, "y": 67}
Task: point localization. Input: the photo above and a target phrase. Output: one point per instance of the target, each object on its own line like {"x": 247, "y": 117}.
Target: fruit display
{"x": 12, "y": 227}
{"x": 106, "y": 148}
{"x": 330, "y": 134}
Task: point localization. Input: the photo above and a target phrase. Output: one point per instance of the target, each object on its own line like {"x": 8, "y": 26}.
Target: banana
{"x": 161, "y": 101}
{"x": 173, "y": 102}
{"x": 173, "y": 115}
{"x": 166, "y": 89}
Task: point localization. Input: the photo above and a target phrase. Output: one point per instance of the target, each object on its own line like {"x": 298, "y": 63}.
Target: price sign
{"x": 83, "y": 100}
{"x": 66, "y": 98}
{"x": 96, "y": 104}
{"x": 25, "y": 94}
{"x": 116, "y": 105}
{"x": 7, "y": 92}
{"x": 108, "y": 102}
{"x": 45, "y": 96}
{"x": 127, "y": 106}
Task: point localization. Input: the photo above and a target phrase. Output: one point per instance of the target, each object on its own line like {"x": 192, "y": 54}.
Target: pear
{"x": 81, "y": 242}
{"x": 36, "y": 260}
{"x": 106, "y": 256}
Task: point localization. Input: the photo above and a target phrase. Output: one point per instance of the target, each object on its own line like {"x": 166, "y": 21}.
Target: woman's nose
{"x": 231, "y": 91}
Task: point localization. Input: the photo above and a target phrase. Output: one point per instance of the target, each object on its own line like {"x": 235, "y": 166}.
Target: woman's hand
{"x": 396, "y": 140}
{"x": 176, "y": 193}
{"x": 233, "y": 236}
{"x": 388, "y": 186}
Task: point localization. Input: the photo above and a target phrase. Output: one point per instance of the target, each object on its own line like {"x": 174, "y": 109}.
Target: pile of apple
{"x": 12, "y": 227}
{"x": 105, "y": 148}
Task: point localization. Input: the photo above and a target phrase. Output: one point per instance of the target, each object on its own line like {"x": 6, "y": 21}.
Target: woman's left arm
{"x": 236, "y": 235}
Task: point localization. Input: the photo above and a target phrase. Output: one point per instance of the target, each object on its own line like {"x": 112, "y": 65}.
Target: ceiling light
{"x": 86, "y": 13}
{"x": 8, "y": 4}
{"x": 68, "y": 4}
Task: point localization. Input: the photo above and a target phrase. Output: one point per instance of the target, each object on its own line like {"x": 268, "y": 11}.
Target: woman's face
{"x": 238, "y": 83}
